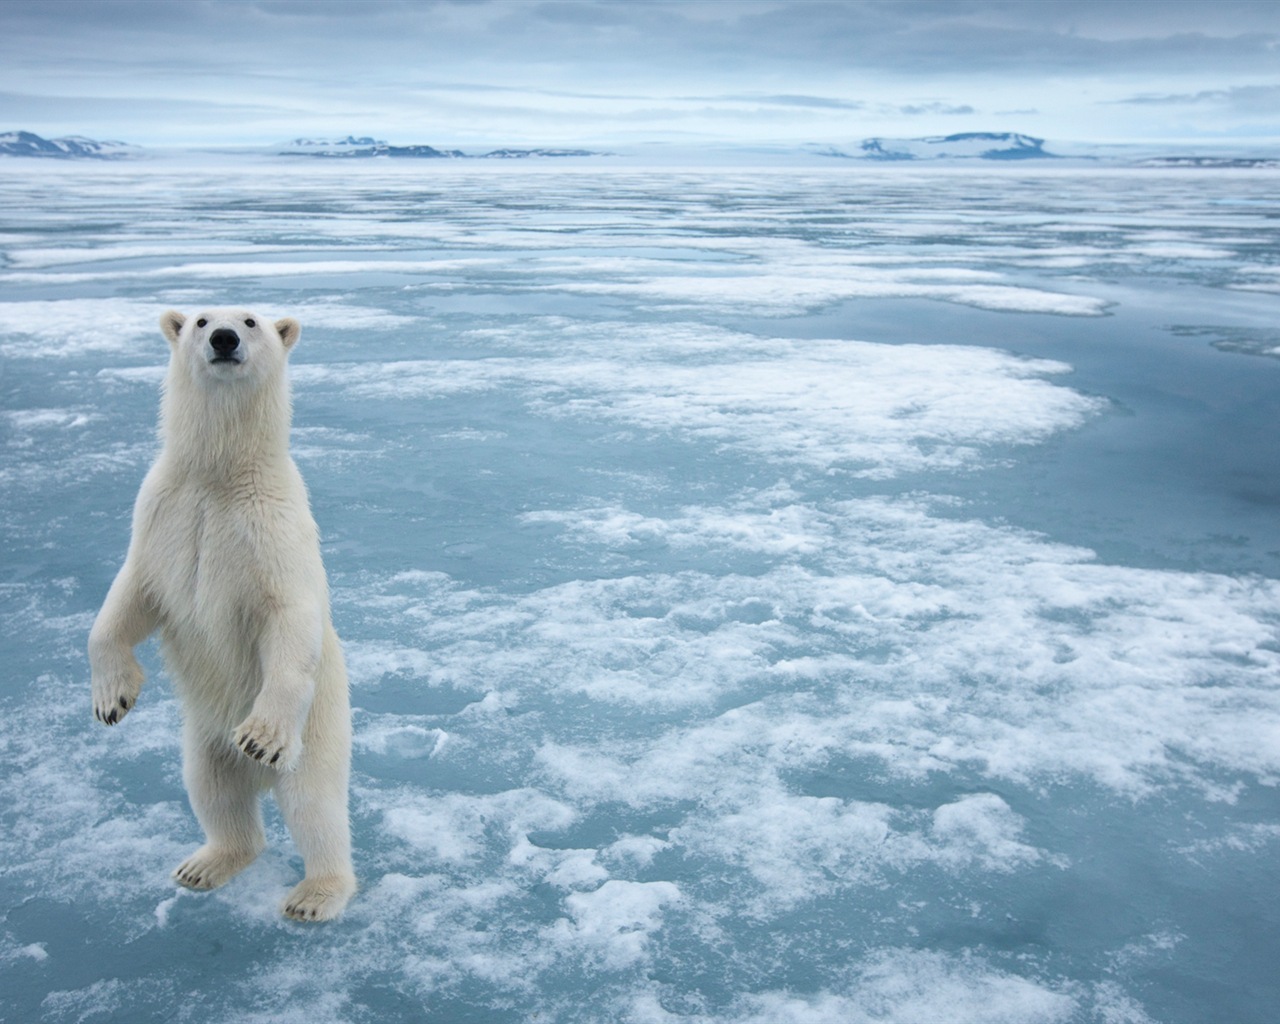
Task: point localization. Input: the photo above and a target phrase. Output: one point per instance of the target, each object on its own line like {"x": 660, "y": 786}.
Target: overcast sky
{"x": 470, "y": 73}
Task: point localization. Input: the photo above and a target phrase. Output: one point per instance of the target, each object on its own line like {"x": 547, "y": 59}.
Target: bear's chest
{"x": 209, "y": 556}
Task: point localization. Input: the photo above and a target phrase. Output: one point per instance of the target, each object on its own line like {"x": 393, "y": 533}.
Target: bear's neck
{"x": 223, "y": 433}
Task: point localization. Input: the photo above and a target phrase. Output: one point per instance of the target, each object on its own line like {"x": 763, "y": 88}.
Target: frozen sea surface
{"x": 777, "y": 595}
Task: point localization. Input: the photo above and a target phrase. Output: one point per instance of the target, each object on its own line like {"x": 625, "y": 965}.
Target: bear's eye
{"x": 201, "y": 322}
{"x": 250, "y": 323}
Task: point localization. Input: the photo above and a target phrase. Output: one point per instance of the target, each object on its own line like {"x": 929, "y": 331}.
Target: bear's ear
{"x": 289, "y": 330}
{"x": 171, "y": 324}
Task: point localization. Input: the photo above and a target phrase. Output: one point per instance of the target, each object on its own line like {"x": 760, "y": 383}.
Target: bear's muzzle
{"x": 225, "y": 344}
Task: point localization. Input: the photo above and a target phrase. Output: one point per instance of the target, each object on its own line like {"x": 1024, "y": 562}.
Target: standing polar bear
{"x": 224, "y": 561}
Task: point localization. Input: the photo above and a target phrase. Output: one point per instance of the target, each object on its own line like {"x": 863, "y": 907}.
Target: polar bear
{"x": 224, "y": 561}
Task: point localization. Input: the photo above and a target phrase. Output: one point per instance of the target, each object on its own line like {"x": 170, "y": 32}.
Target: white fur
{"x": 224, "y": 561}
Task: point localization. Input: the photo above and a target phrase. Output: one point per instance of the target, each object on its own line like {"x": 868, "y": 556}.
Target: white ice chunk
{"x": 615, "y": 922}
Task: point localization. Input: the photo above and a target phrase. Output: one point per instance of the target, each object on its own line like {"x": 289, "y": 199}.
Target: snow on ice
{"x": 731, "y": 637}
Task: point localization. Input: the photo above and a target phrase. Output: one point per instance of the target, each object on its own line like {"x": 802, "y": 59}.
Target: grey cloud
{"x": 1245, "y": 99}
{"x": 785, "y": 100}
{"x": 667, "y": 37}
{"x": 23, "y": 107}
{"x": 973, "y": 37}
{"x": 935, "y": 108}
{"x": 457, "y": 66}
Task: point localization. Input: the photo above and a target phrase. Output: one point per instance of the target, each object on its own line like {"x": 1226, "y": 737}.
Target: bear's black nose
{"x": 224, "y": 342}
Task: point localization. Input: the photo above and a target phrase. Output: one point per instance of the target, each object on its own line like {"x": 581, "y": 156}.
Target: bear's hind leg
{"x": 223, "y": 789}
{"x": 315, "y": 810}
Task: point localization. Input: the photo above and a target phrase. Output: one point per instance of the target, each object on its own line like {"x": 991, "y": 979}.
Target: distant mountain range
{"x": 1210, "y": 161}
{"x": 72, "y": 147}
{"x": 964, "y": 146}
{"x": 352, "y": 147}
{"x": 1011, "y": 146}
{"x": 77, "y": 147}
{"x": 362, "y": 147}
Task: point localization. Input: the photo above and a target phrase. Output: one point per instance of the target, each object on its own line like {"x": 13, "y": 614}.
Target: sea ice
{"x": 706, "y": 666}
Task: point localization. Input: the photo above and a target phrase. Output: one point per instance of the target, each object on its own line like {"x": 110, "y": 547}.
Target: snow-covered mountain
{"x": 1192, "y": 160}
{"x": 71, "y": 147}
{"x": 366, "y": 146}
{"x": 522, "y": 154}
{"x": 964, "y": 146}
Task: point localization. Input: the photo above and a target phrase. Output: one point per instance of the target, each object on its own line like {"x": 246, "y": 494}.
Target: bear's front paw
{"x": 115, "y": 693}
{"x": 267, "y": 742}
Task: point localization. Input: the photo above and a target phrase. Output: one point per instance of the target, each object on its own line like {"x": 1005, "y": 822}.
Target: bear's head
{"x": 227, "y": 345}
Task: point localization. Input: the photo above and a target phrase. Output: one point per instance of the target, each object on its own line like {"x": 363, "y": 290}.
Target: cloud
{"x": 1245, "y": 99}
{"x": 24, "y": 107}
{"x": 784, "y": 100}
{"x": 935, "y": 108}
{"x": 651, "y": 41}
{"x": 595, "y": 71}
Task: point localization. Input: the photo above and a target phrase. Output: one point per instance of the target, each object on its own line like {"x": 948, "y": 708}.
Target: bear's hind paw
{"x": 209, "y": 867}
{"x": 267, "y": 743}
{"x": 319, "y": 899}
